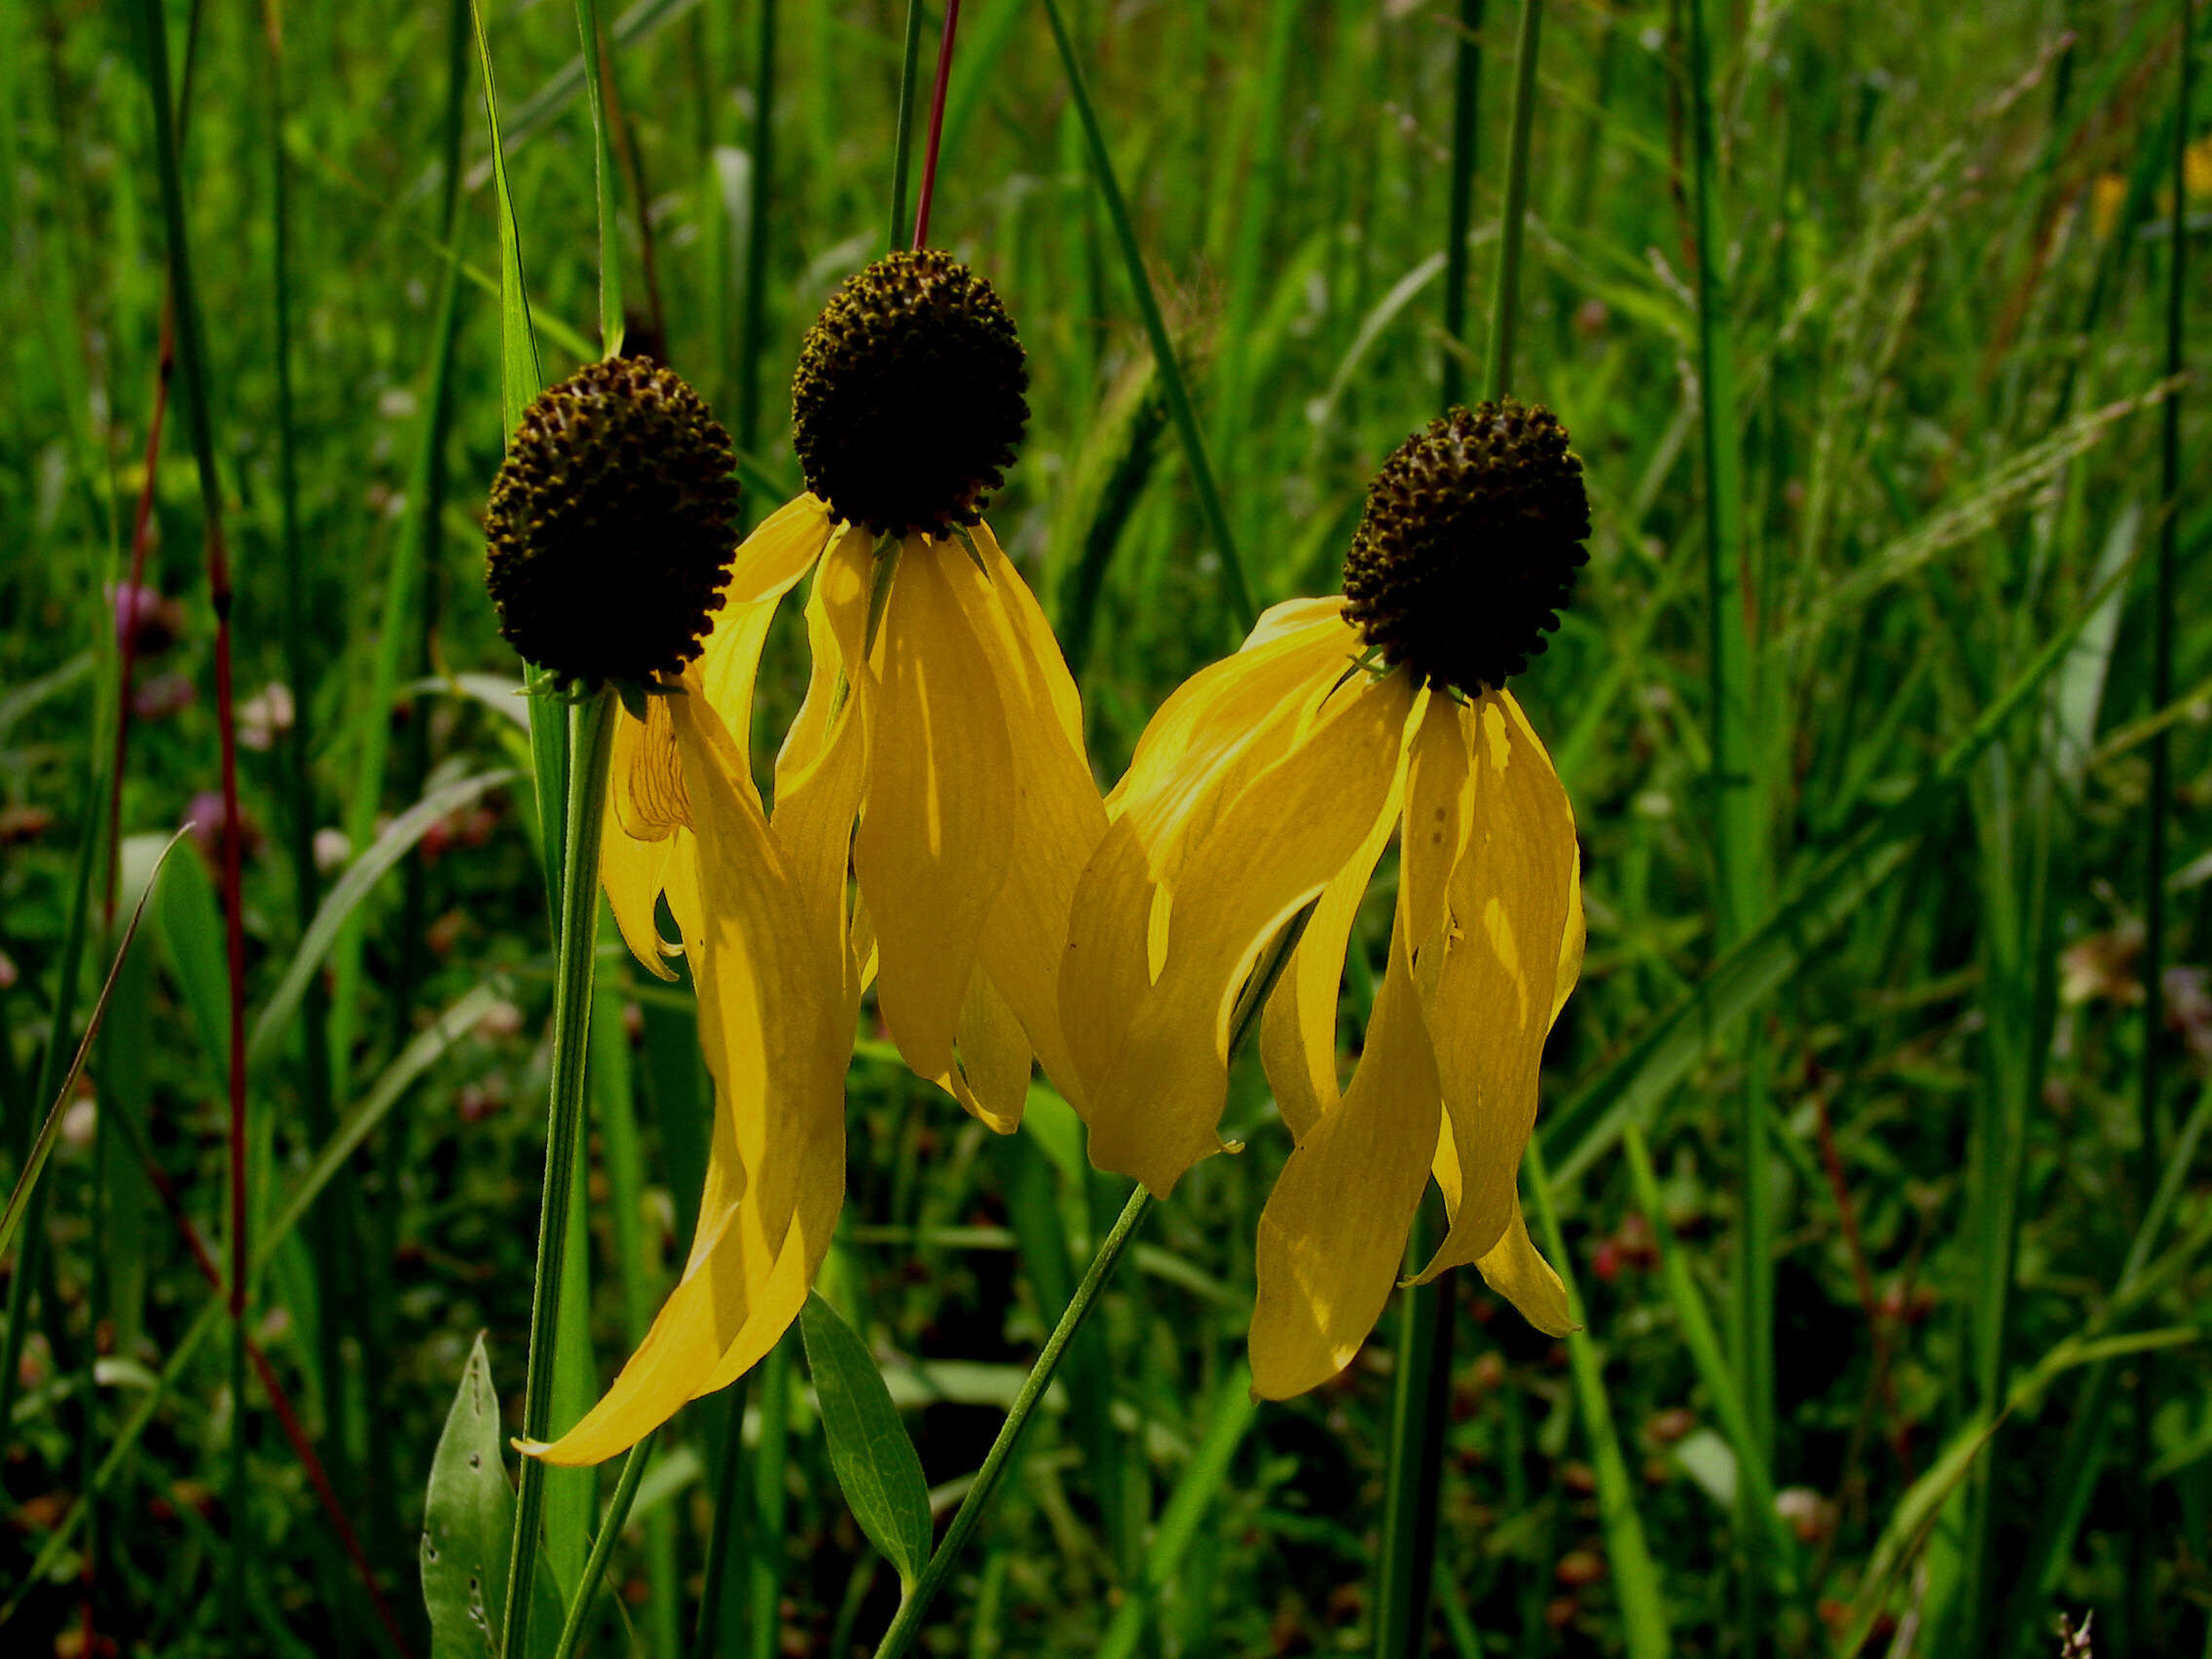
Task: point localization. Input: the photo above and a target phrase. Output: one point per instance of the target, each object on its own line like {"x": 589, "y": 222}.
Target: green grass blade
{"x": 1234, "y": 1409}
{"x": 1171, "y": 383}
{"x": 1635, "y": 1576}
{"x": 603, "y": 170}
{"x": 346, "y": 895}
{"x": 1632, "y": 1087}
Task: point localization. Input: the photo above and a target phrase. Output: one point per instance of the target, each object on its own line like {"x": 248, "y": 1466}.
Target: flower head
{"x": 931, "y": 810}
{"x": 612, "y": 525}
{"x": 1275, "y": 780}
{"x": 909, "y": 402}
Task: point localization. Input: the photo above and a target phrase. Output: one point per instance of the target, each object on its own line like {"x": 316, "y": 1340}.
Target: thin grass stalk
{"x": 751, "y": 322}
{"x": 1635, "y": 1576}
{"x": 1459, "y": 202}
{"x": 902, "y": 144}
{"x": 928, "y": 193}
{"x": 1505, "y": 313}
{"x": 426, "y": 490}
{"x": 279, "y": 1401}
{"x": 1739, "y": 851}
{"x": 141, "y": 538}
{"x": 764, "y": 1580}
{"x": 591, "y": 739}
{"x": 2140, "y": 1631}
{"x": 906, "y": 1627}
{"x": 334, "y": 1222}
{"x": 727, "y": 1530}
{"x": 603, "y": 1547}
{"x": 1241, "y": 603}
{"x": 193, "y": 371}
{"x": 1422, "y": 1382}
{"x": 604, "y": 176}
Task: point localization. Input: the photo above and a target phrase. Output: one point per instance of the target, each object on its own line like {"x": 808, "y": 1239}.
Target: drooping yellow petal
{"x": 644, "y": 784}
{"x": 1513, "y": 1268}
{"x": 647, "y": 809}
{"x": 937, "y": 834}
{"x": 1489, "y": 1002}
{"x": 776, "y": 1026}
{"x": 1439, "y": 819}
{"x": 1058, "y": 819}
{"x": 1298, "y": 1032}
{"x": 1334, "y": 1230}
{"x": 1286, "y": 835}
{"x": 1219, "y": 727}
{"x": 821, "y": 773}
{"x": 993, "y": 1077}
{"x": 633, "y": 874}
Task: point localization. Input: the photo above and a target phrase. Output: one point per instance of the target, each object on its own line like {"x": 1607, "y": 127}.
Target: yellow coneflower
{"x": 621, "y": 471}
{"x": 1275, "y": 779}
{"x": 937, "y": 758}
{"x": 973, "y": 804}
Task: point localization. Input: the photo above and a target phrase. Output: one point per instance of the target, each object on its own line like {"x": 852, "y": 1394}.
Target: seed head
{"x": 909, "y": 402}
{"x": 612, "y": 525}
{"x": 1469, "y": 545}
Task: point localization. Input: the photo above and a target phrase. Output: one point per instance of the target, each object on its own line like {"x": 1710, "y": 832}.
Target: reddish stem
{"x": 937, "y": 126}
{"x": 281, "y": 1404}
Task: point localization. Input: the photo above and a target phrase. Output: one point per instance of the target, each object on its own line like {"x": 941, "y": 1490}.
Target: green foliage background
{"x": 1946, "y": 262}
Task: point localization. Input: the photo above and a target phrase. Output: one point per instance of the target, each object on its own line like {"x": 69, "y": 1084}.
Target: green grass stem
{"x": 902, "y": 144}
{"x": 610, "y": 320}
{"x": 1505, "y": 313}
{"x": 906, "y": 1626}
{"x": 603, "y": 1549}
{"x": 1645, "y": 1625}
{"x": 1241, "y": 602}
{"x": 752, "y": 320}
{"x": 591, "y": 739}
{"x": 771, "y": 1462}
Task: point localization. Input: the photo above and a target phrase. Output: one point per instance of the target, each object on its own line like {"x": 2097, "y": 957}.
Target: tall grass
{"x": 1873, "y": 1136}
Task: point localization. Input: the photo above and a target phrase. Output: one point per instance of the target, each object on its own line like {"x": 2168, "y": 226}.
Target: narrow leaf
{"x": 468, "y": 1520}
{"x": 874, "y": 1461}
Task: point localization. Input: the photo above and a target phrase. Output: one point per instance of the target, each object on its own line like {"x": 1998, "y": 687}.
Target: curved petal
{"x": 1058, "y": 817}
{"x": 1297, "y": 1033}
{"x": 993, "y": 1077}
{"x": 633, "y": 872}
{"x": 1513, "y": 1268}
{"x": 1204, "y": 743}
{"x": 1333, "y": 1234}
{"x": 1490, "y": 1002}
{"x": 1283, "y": 838}
{"x": 775, "y": 1024}
{"x": 646, "y": 807}
{"x": 768, "y": 566}
{"x": 937, "y": 834}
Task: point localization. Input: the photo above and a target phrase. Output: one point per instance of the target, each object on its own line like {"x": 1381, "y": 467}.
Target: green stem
{"x": 1466, "y": 136}
{"x": 721, "y": 1538}
{"x": 751, "y": 323}
{"x": 1503, "y": 315}
{"x": 906, "y": 1626}
{"x": 764, "y": 1588}
{"x": 602, "y": 1546}
{"x": 1171, "y": 384}
{"x": 1740, "y": 849}
{"x": 603, "y": 170}
{"x": 591, "y": 736}
{"x": 903, "y": 152}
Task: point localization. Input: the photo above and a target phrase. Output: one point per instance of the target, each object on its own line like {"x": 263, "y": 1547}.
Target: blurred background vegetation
{"x": 1895, "y": 1029}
